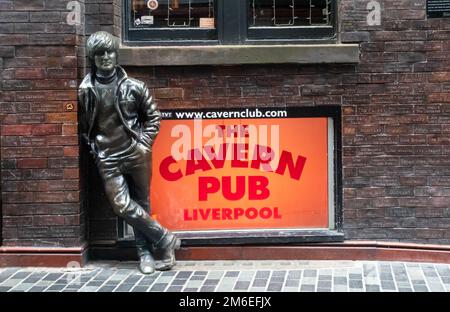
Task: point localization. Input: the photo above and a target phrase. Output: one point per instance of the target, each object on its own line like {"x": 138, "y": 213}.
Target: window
{"x": 236, "y": 193}
{"x": 168, "y": 22}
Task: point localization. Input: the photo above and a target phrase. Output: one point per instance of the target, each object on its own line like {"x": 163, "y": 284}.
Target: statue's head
{"x": 102, "y": 50}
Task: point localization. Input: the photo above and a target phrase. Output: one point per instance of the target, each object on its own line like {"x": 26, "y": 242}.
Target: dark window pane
{"x": 320, "y": 12}
{"x": 288, "y": 13}
{"x": 283, "y": 12}
{"x": 172, "y": 13}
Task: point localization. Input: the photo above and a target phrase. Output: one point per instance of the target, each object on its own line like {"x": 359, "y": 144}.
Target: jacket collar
{"x": 121, "y": 76}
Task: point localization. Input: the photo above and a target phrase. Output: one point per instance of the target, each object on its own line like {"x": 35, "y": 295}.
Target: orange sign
{"x": 249, "y": 174}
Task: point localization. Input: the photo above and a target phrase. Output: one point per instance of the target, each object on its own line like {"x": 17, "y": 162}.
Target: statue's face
{"x": 106, "y": 61}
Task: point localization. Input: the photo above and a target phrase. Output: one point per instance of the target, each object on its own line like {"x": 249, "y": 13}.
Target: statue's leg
{"x": 118, "y": 194}
{"x": 138, "y": 169}
{"x": 142, "y": 244}
{"x": 141, "y": 197}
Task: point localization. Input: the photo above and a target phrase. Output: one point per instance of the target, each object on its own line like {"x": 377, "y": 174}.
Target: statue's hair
{"x": 100, "y": 42}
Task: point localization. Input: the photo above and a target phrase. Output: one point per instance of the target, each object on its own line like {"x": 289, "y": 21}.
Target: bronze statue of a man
{"x": 119, "y": 122}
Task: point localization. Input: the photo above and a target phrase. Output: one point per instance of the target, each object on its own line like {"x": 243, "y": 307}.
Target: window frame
{"x": 237, "y": 30}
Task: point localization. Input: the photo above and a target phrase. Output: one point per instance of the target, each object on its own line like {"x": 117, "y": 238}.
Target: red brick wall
{"x": 397, "y": 126}
{"x": 39, "y": 137}
{"x": 395, "y": 106}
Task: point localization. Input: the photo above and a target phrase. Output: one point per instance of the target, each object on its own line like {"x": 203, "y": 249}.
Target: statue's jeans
{"x": 127, "y": 185}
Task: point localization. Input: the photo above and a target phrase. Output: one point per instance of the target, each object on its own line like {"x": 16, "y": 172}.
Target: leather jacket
{"x": 134, "y": 104}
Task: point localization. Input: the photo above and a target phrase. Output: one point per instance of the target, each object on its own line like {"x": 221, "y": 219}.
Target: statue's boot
{"x": 163, "y": 240}
{"x": 147, "y": 264}
{"x": 146, "y": 260}
{"x": 167, "y": 249}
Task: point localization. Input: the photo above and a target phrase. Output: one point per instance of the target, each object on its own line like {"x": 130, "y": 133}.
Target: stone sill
{"x": 242, "y": 54}
{"x": 251, "y": 237}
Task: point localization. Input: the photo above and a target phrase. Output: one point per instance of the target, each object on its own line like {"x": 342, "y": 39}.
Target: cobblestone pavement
{"x": 228, "y": 276}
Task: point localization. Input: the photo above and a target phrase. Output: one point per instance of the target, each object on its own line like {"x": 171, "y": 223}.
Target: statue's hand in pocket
{"x": 143, "y": 148}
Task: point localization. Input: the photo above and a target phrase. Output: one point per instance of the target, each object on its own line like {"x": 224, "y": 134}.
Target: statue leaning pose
{"x": 119, "y": 122}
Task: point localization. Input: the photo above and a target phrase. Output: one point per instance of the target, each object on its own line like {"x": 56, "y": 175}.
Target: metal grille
{"x": 173, "y": 13}
{"x": 177, "y": 11}
{"x": 288, "y": 13}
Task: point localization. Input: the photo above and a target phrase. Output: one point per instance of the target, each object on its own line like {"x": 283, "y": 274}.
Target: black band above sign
{"x": 438, "y": 8}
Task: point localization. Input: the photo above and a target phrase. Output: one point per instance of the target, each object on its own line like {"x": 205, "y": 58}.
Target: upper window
{"x": 228, "y": 21}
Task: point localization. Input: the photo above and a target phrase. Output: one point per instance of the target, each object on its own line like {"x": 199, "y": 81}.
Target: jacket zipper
{"x": 116, "y": 104}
